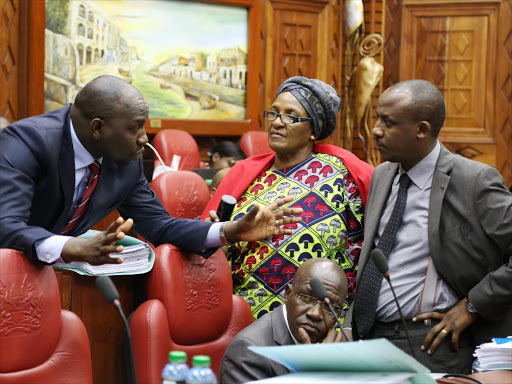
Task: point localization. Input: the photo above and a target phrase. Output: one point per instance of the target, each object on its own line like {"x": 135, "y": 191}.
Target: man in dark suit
{"x": 62, "y": 172}
{"x": 445, "y": 224}
{"x": 302, "y": 319}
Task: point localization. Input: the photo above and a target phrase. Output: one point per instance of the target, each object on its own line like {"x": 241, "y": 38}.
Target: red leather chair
{"x": 191, "y": 307}
{"x": 174, "y": 141}
{"x": 39, "y": 342}
{"x": 254, "y": 143}
{"x": 183, "y": 193}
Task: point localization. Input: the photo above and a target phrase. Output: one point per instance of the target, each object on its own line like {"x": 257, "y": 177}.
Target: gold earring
{"x": 313, "y": 137}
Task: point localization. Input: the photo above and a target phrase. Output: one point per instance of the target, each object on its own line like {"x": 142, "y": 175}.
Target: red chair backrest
{"x": 30, "y": 317}
{"x": 40, "y": 343}
{"x": 254, "y": 143}
{"x": 196, "y": 292}
{"x": 183, "y": 193}
{"x": 174, "y": 141}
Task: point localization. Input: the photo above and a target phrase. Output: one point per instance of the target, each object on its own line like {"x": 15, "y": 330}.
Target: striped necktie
{"x": 86, "y": 197}
{"x": 367, "y": 292}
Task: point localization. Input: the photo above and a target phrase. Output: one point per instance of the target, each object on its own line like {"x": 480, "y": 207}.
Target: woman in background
{"x": 328, "y": 182}
{"x": 225, "y": 154}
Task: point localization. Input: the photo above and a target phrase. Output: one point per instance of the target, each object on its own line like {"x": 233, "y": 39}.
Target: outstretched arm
{"x": 259, "y": 224}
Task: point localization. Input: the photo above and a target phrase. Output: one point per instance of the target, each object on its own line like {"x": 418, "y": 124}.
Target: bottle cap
{"x": 177, "y": 357}
{"x": 201, "y": 361}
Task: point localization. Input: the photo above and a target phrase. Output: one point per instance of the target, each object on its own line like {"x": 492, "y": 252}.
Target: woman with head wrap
{"x": 329, "y": 183}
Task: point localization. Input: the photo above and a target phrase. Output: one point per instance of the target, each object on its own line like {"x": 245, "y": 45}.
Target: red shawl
{"x": 237, "y": 180}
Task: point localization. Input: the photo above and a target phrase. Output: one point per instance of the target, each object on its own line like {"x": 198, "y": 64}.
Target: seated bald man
{"x": 301, "y": 320}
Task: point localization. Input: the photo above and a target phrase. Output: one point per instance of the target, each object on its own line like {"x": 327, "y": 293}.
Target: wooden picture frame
{"x": 35, "y": 54}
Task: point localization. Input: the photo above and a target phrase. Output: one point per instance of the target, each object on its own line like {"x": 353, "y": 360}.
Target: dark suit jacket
{"x": 469, "y": 235}
{"x": 240, "y": 365}
{"x": 37, "y": 175}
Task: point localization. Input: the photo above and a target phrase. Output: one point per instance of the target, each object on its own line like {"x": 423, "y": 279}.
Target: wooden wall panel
{"x": 9, "y": 58}
{"x": 465, "y": 48}
{"x": 393, "y": 30}
{"x": 503, "y": 99}
{"x": 296, "y": 34}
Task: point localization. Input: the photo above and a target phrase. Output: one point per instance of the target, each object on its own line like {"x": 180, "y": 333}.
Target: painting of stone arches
{"x": 188, "y": 58}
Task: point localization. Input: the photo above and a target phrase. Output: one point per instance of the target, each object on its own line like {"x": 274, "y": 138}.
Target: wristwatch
{"x": 469, "y": 306}
{"x": 222, "y": 233}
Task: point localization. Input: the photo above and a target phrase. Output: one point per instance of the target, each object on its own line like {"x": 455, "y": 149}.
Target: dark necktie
{"x": 86, "y": 197}
{"x": 367, "y": 292}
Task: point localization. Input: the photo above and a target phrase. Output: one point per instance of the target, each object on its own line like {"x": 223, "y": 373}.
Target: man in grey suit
{"x": 449, "y": 252}
{"x": 303, "y": 319}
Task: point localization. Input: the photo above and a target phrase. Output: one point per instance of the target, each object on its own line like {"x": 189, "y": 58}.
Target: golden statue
{"x": 362, "y": 75}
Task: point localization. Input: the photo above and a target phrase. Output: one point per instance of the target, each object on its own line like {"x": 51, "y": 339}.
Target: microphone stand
{"x": 116, "y": 303}
{"x": 386, "y": 276}
{"x": 328, "y": 302}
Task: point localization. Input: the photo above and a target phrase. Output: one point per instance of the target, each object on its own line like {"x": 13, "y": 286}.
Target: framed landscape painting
{"x": 191, "y": 60}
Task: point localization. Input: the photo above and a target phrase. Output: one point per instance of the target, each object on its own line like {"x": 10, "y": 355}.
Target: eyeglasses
{"x": 311, "y": 301}
{"x": 286, "y": 118}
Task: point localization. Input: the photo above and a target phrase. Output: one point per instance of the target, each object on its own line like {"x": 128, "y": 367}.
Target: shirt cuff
{"x": 50, "y": 249}
{"x": 213, "y": 237}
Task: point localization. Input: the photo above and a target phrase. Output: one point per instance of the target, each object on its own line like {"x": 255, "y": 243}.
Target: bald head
{"x": 330, "y": 273}
{"x": 108, "y": 118}
{"x": 217, "y": 179}
{"x": 105, "y": 97}
{"x": 425, "y": 102}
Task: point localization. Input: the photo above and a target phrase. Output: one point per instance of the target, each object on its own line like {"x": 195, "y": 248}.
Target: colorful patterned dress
{"x": 331, "y": 227}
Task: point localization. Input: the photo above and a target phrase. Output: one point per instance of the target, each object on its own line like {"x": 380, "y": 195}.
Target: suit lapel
{"x": 281, "y": 334}
{"x": 66, "y": 173}
{"x": 381, "y": 185}
{"x": 440, "y": 183}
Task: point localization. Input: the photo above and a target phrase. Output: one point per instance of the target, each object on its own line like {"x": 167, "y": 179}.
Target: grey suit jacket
{"x": 240, "y": 365}
{"x": 469, "y": 234}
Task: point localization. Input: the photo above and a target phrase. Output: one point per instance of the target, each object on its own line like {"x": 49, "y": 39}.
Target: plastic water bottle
{"x": 201, "y": 373}
{"x": 176, "y": 370}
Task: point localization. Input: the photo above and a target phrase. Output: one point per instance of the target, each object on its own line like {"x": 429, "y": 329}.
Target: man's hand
{"x": 259, "y": 224}
{"x": 456, "y": 320}
{"x": 97, "y": 249}
{"x": 333, "y": 336}
{"x": 348, "y": 332}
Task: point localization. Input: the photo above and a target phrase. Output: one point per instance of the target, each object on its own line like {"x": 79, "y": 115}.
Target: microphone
{"x": 321, "y": 294}
{"x": 382, "y": 265}
{"x": 226, "y": 206}
{"x": 111, "y": 296}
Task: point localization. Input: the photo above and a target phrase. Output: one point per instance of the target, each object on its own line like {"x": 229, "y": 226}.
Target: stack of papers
{"x": 138, "y": 257}
{"x": 135, "y": 257}
{"x": 495, "y": 355}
